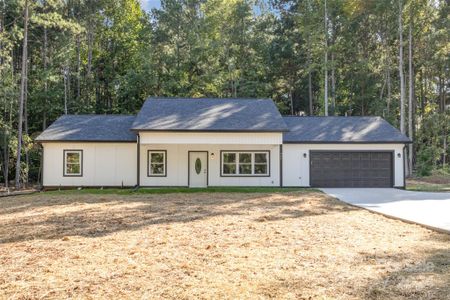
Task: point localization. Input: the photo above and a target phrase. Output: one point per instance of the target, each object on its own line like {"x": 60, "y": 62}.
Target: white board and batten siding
{"x": 296, "y": 165}
{"x": 115, "y": 164}
{"x": 179, "y": 144}
{"x": 104, "y": 164}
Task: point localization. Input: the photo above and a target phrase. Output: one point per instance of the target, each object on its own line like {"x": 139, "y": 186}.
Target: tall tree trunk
{"x": 310, "y": 94}
{"x": 422, "y": 95}
{"x": 89, "y": 81}
{"x": 44, "y": 58}
{"x": 444, "y": 154}
{"x": 7, "y": 137}
{"x": 402, "y": 80}
{"x": 389, "y": 93}
{"x": 445, "y": 131}
{"x": 333, "y": 68}
{"x": 387, "y": 63}
{"x": 291, "y": 98}
{"x": 44, "y": 113}
{"x": 68, "y": 83}
{"x": 326, "y": 61}
{"x": 441, "y": 94}
{"x": 4, "y": 130}
{"x": 8, "y": 153}
{"x": 22, "y": 94}
{"x": 65, "y": 90}
{"x": 90, "y": 41}
{"x": 333, "y": 86}
{"x": 6, "y": 150}
{"x": 410, "y": 99}
{"x": 2, "y": 17}
{"x": 363, "y": 97}
{"x": 400, "y": 69}
{"x": 6, "y": 158}
{"x": 25, "y": 123}
{"x": 383, "y": 88}
{"x": 78, "y": 68}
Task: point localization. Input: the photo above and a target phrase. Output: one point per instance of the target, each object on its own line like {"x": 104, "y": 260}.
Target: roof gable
{"x": 102, "y": 128}
{"x": 209, "y": 114}
{"x": 341, "y": 130}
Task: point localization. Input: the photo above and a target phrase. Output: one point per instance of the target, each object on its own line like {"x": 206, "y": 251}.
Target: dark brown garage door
{"x": 351, "y": 169}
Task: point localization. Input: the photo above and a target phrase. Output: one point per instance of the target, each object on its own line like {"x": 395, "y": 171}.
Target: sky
{"x": 149, "y": 4}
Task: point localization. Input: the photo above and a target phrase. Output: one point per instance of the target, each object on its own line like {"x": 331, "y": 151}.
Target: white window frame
{"x": 149, "y": 163}
{"x": 252, "y": 163}
{"x": 69, "y": 151}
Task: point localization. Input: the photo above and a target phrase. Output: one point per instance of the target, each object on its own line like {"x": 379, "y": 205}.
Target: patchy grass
{"x": 417, "y": 185}
{"x": 224, "y": 245}
{"x": 437, "y": 182}
{"x": 178, "y": 190}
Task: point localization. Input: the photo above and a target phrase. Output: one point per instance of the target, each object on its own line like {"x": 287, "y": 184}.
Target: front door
{"x": 198, "y": 169}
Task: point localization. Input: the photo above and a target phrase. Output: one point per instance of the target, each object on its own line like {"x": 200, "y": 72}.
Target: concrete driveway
{"x": 430, "y": 209}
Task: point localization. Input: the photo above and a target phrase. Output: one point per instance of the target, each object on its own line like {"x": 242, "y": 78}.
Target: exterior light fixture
{"x": 304, "y": 155}
{"x": 399, "y": 155}
{"x": 213, "y": 155}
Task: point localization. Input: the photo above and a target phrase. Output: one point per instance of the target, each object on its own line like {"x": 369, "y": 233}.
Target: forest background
{"x": 387, "y": 58}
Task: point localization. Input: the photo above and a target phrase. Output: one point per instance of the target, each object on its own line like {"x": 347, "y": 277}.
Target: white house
{"x": 343, "y": 152}
{"x": 221, "y": 142}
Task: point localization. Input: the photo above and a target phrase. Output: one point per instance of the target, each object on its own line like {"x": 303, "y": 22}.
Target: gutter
{"x": 138, "y": 160}
{"x": 347, "y": 142}
{"x": 82, "y": 141}
{"x": 210, "y": 130}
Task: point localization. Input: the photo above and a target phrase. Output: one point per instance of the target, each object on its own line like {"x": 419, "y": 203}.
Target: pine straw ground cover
{"x": 292, "y": 245}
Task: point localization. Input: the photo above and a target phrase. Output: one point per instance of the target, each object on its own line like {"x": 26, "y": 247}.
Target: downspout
{"x": 281, "y": 165}
{"x": 405, "y": 161}
{"x": 138, "y": 167}
{"x": 42, "y": 167}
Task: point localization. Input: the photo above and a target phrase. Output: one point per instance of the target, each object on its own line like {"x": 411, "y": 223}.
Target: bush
{"x": 425, "y": 161}
{"x": 445, "y": 172}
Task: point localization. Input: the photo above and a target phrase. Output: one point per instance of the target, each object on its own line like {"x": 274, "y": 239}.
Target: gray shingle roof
{"x": 90, "y": 128}
{"x": 341, "y": 130}
{"x": 206, "y": 114}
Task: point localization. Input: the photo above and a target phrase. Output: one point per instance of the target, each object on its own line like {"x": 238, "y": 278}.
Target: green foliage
{"x": 426, "y": 158}
{"x": 107, "y": 56}
{"x": 431, "y": 135}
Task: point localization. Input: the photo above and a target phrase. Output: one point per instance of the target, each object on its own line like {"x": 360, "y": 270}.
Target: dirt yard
{"x": 224, "y": 245}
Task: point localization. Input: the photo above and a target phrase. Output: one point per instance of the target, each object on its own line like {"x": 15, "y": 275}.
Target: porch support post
{"x": 138, "y": 167}
{"x": 281, "y": 165}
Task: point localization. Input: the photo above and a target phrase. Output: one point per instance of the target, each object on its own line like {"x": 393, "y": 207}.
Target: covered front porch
{"x": 208, "y": 159}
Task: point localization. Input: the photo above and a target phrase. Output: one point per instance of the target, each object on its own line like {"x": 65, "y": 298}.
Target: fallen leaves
{"x": 290, "y": 245}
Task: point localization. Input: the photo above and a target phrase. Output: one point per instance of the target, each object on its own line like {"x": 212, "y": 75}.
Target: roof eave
{"x": 206, "y": 130}
{"x": 347, "y": 142}
{"x": 85, "y": 141}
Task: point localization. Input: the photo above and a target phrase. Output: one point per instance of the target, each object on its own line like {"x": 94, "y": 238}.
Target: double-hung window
{"x": 73, "y": 163}
{"x": 245, "y": 163}
{"x": 157, "y": 161}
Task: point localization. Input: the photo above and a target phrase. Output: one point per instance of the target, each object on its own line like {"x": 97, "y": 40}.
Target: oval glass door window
{"x": 198, "y": 165}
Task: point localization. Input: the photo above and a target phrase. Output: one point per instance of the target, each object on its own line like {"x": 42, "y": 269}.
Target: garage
{"x": 347, "y": 152}
{"x": 351, "y": 169}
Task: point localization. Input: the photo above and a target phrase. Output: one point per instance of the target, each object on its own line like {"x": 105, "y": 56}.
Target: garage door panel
{"x": 351, "y": 169}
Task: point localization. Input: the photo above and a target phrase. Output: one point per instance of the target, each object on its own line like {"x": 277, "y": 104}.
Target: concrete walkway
{"x": 429, "y": 209}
